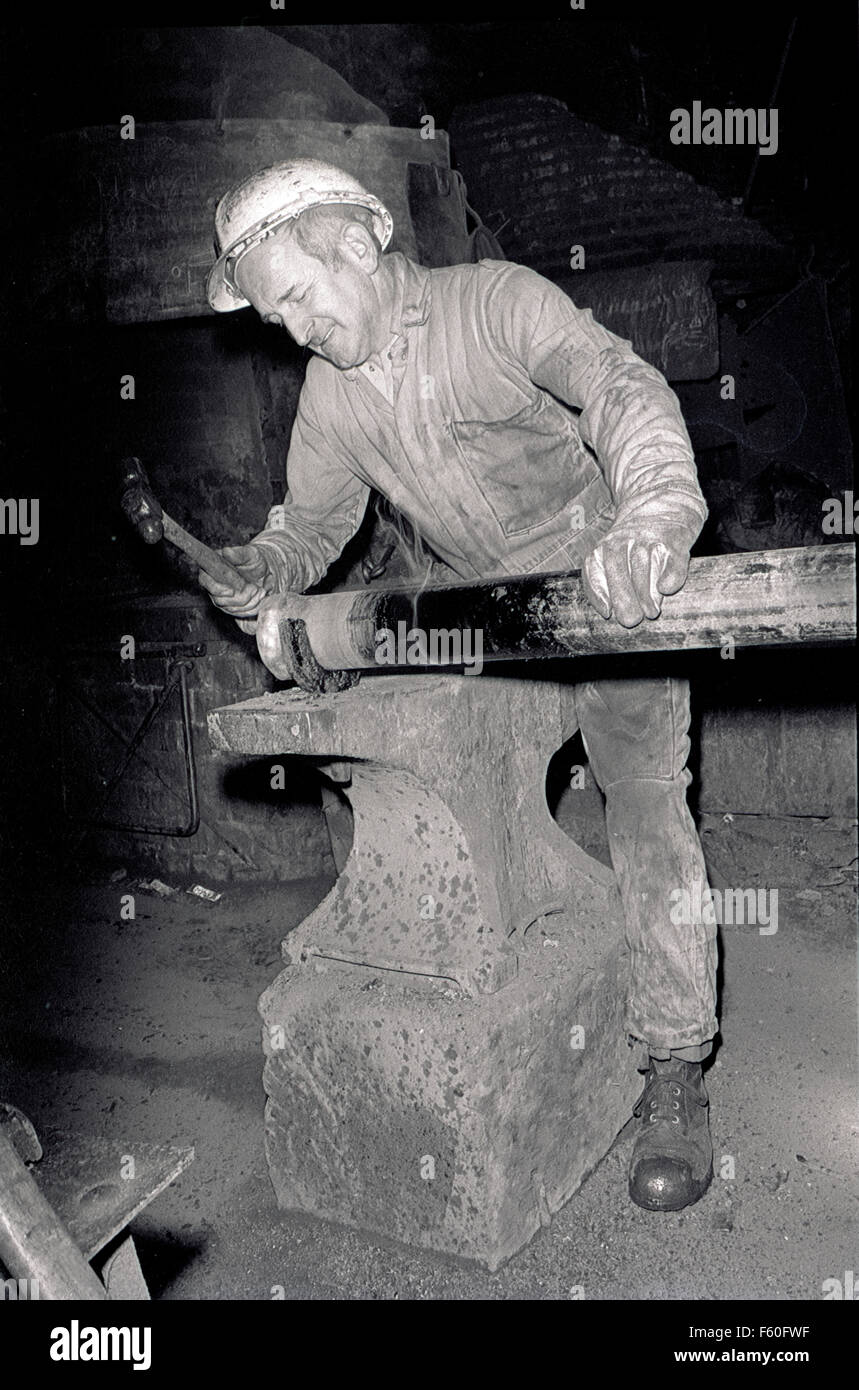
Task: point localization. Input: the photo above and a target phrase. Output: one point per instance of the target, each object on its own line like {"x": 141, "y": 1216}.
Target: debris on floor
{"x": 155, "y": 885}
{"x": 207, "y": 894}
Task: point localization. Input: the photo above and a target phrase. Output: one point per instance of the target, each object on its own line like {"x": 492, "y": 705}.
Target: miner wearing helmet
{"x": 517, "y": 436}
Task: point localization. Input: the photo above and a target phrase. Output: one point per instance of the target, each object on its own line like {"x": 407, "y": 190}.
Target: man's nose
{"x": 299, "y": 327}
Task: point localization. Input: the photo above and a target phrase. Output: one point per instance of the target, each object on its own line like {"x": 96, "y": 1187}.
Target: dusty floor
{"x": 147, "y": 1030}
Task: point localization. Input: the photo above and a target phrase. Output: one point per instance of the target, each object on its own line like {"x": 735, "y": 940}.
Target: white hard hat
{"x": 255, "y": 208}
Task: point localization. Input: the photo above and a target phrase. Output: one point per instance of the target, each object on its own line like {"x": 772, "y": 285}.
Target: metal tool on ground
{"x": 69, "y": 1204}
{"x": 34, "y": 1243}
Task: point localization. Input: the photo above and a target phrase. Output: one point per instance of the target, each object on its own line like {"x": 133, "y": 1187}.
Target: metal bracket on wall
{"x": 176, "y": 679}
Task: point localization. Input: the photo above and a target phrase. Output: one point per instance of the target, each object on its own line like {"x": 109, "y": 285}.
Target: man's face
{"x": 336, "y": 313}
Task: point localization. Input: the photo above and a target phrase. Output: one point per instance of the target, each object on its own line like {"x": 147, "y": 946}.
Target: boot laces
{"x": 661, "y": 1097}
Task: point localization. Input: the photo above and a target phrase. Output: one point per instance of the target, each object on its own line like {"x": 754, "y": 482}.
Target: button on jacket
{"x": 519, "y": 429}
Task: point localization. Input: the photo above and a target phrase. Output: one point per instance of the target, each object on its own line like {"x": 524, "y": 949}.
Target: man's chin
{"x": 343, "y": 364}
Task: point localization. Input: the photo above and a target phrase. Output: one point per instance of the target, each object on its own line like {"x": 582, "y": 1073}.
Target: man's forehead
{"x": 272, "y": 262}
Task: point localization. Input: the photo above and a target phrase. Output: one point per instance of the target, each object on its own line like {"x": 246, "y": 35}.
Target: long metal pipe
{"x": 762, "y": 598}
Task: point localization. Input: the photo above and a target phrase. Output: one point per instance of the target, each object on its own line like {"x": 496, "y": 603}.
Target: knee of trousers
{"x": 635, "y": 729}
{"x": 648, "y": 818}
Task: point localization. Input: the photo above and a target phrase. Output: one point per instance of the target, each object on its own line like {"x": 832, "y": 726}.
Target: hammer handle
{"x": 209, "y": 560}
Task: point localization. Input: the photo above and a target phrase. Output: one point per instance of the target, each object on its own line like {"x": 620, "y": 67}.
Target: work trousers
{"x": 636, "y": 736}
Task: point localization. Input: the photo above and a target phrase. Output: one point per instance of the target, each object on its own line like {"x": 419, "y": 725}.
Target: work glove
{"x": 633, "y": 566}
{"x": 242, "y": 603}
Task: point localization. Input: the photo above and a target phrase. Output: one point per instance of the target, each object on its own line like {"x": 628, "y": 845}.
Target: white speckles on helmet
{"x": 260, "y": 204}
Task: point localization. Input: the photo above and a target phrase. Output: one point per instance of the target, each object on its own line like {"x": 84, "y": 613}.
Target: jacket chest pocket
{"x": 528, "y": 467}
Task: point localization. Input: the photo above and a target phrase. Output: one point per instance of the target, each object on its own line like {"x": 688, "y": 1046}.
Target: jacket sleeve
{"x": 630, "y": 417}
{"x": 323, "y": 508}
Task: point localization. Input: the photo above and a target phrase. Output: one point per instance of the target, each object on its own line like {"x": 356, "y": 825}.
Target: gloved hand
{"x": 243, "y": 603}
{"x": 635, "y": 565}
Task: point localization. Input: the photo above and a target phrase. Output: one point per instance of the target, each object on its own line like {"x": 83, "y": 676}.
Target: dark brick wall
{"x": 543, "y": 179}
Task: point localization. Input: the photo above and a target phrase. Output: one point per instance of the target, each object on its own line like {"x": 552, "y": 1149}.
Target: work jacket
{"x": 519, "y": 432}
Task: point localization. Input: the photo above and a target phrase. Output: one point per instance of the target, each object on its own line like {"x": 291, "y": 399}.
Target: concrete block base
{"x": 401, "y": 1106}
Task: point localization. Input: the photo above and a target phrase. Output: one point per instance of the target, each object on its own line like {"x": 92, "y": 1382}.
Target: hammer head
{"x": 139, "y": 502}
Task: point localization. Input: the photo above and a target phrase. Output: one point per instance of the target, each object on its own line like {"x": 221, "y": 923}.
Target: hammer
{"x": 144, "y": 511}
{"x": 282, "y": 642}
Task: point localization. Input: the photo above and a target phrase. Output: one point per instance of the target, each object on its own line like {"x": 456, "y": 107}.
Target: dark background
{"x": 784, "y": 312}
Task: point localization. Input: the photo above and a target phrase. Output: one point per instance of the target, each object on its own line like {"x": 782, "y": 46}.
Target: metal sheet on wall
{"x": 666, "y": 311}
{"x": 126, "y": 230}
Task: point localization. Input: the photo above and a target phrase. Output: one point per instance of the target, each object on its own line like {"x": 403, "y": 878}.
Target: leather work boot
{"x": 672, "y": 1160}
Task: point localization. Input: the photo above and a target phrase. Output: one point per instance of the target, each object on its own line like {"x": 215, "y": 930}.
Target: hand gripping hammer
{"x": 282, "y": 641}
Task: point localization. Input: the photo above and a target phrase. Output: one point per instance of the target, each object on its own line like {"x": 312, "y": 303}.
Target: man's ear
{"x": 360, "y": 247}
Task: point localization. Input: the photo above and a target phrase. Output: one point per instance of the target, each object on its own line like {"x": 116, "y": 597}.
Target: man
{"x": 517, "y": 436}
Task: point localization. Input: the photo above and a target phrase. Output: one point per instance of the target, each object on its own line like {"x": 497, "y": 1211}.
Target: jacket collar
{"x": 412, "y": 297}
